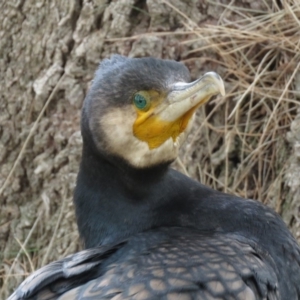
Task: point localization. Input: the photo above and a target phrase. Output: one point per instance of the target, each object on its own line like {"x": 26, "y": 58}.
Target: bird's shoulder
{"x": 168, "y": 262}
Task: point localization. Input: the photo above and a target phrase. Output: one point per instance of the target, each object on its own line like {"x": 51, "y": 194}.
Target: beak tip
{"x": 219, "y": 81}
{"x": 222, "y": 90}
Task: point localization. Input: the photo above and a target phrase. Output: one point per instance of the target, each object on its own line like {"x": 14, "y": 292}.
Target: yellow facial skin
{"x": 149, "y": 128}
{"x": 161, "y": 116}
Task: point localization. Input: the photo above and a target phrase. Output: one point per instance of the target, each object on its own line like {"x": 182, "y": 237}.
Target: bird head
{"x": 141, "y": 109}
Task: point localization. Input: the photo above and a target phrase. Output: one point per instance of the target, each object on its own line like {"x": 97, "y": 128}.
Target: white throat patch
{"x": 117, "y": 125}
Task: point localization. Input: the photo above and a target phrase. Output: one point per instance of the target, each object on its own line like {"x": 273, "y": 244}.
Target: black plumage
{"x": 152, "y": 232}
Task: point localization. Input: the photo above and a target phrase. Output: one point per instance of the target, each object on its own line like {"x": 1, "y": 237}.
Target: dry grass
{"x": 239, "y": 145}
{"x": 258, "y": 58}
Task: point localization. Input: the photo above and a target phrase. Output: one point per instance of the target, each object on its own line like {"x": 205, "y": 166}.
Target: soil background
{"x": 247, "y": 143}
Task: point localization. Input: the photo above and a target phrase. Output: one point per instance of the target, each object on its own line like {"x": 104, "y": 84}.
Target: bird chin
{"x": 166, "y": 152}
{"x": 138, "y": 154}
{"x": 146, "y": 157}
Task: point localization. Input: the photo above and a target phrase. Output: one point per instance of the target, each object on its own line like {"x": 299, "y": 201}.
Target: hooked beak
{"x": 184, "y": 97}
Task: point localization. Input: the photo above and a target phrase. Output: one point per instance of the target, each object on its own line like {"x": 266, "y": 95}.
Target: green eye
{"x": 140, "y": 101}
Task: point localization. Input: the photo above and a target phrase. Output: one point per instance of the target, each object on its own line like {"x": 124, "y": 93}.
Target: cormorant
{"x": 150, "y": 231}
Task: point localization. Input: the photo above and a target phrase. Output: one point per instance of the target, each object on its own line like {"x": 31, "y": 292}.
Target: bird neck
{"x": 111, "y": 198}
{"x": 114, "y": 201}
